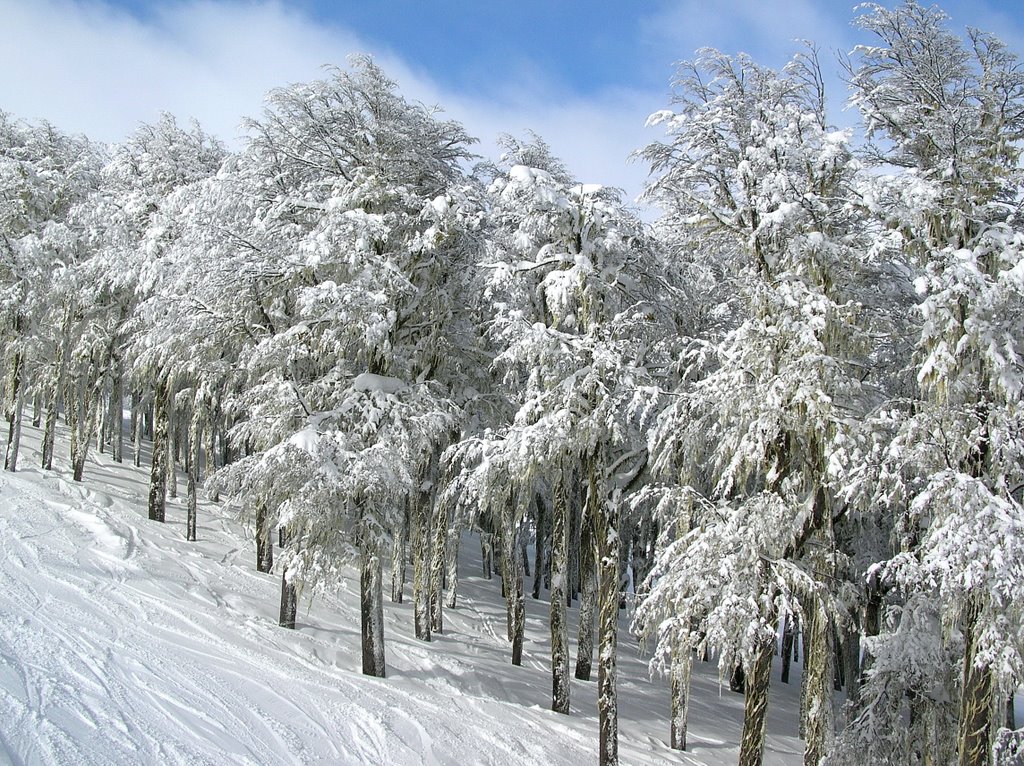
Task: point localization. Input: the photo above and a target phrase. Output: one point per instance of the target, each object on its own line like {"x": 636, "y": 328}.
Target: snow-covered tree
{"x": 753, "y": 182}
{"x": 945, "y": 120}
{"x": 572, "y": 280}
{"x": 43, "y": 174}
{"x": 350, "y": 221}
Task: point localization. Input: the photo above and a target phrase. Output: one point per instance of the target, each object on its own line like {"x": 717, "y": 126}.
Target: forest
{"x": 787, "y": 410}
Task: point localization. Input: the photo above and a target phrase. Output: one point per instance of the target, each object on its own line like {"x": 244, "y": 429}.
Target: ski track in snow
{"x": 121, "y": 643}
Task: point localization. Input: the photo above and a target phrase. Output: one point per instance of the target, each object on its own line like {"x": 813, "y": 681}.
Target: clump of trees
{"x": 791, "y": 408}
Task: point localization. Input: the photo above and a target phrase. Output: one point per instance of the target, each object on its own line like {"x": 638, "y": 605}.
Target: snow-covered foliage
{"x": 795, "y": 398}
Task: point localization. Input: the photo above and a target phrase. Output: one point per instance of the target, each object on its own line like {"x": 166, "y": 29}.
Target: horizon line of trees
{"x": 790, "y": 407}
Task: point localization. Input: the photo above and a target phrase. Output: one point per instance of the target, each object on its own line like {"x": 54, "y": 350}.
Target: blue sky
{"x": 582, "y": 74}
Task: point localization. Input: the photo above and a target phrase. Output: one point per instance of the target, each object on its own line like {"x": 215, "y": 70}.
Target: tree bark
{"x": 371, "y": 611}
{"x": 289, "y": 594}
{"x": 559, "y": 586}
{"x": 398, "y": 558}
{"x": 819, "y": 653}
{"x": 116, "y": 416}
{"x": 171, "y": 440}
{"x": 192, "y": 471}
{"x": 515, "y": 565}
{"x": 452, "y": 578}
{"x": 487, "y": 553}
{"x": 420, "y": 520}
{"x": 588, "y": 581}
{"x": 264, "y": 540}
{"x": 681, "y": 670}
{"x": 14, "y": 418}
{"x": 976, "y": 717}
{"x": 438, "y": 556}
{"x": 541, "y": 542}
{"x": 755, "y": 705}
{"x": 158, "y": 471}
{"x": 606, "y": 529}
{"x": 787, "y": 648}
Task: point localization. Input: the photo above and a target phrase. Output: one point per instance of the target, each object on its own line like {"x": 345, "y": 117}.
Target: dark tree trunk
{"x": 755, "y": 706}
{"x": 515, "y": 564}
{"x": 289, "y": 594}
{"x": 559, "y": 587}
{"x": 452, "y": 577}
{"x": 158, "y": 472}
{"x": 682, "y": 667}
{"x": 872, "y": 623}
{"x": 264, "y": 540}
{"x": 787, "y": 648}
{"x": 172, "y": 427}
{"x": 17, "y": 405}
{"x": 289, "y": 603}
{"x": 607, "y": 531}
{"x": 398, "y": 557}
{"x": 419, "y": 517}
{"x": 818, "y": 656}
{"x": 976, "y": 717}
{"x": 738, "y": 680}
{"x": 371, "y": 602}
{"x": 116, "y": 416}
{"x": 438, "y": 555}
{"x": 192, "y": 471}
{"x": 538, "y": 553}
{"x": 588, "y": 582}
{"x": 487, "y": 553}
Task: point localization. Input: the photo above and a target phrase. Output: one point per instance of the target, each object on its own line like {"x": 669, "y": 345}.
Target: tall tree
{"x": 945, "y": 119}
{"x": 753, "y": 181}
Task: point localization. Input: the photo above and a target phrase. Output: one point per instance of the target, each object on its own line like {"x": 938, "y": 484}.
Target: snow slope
{"x": 121, "y": 643}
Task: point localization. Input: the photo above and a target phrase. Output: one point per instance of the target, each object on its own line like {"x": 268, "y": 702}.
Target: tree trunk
{"x": 158, "y": 472}
{"x": 264, "y": 540}
{"x": 192, "y": 470}
{"x": 974, "y": 736}
{"x": 14, "y": 418}
{"x": 538, "y": 553}
{"x": 116, "y": 416}
{"x": 172, "y": 438}
{"x": 606, "y": 529}
{"x": 452, "y": 577}
{"x": 371, "y": 604}
{"x": 140, "y": 428}
{"x": 289, "y": 603}
{"x": 50, "y": 428}
{"x": 559, "y": 586}
{"x": 420, "y": 519}
{"x": 787, "y": 648}
{"x": 755, "y": 706}
{"x": 682, "y": 668}
{"x": 289, "y": 593}
{"x": 588, "y": 582}
{"x": 818, "y": 656}
{"x": 487, "y": 553}
{"x": 872, "y": 623}
{"x": 398, "y": 555}
{"x": 84, "y": 412}
{"x": 576, "y": 513}
{"x": 438, "y": 556}
{"x": 515, "y": 567}
{"x": 757, "y": 681}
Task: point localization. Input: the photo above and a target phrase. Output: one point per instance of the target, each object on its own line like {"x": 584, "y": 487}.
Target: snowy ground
{"x": 121, "y": 643}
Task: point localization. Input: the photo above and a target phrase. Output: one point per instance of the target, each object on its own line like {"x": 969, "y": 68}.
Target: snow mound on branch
{"x": 367, "y": 381}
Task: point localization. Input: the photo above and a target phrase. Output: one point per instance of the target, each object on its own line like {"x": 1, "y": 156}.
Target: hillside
{"x": 122, "y": 643}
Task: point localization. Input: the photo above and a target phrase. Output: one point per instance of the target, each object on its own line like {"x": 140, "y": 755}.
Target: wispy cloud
{"x": 93, "y": 69}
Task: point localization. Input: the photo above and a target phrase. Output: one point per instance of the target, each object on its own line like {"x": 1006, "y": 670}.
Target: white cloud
{"x": 92, "y": 69}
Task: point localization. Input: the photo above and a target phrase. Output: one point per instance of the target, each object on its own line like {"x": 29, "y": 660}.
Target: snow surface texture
{"x": 121, "y": 643}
